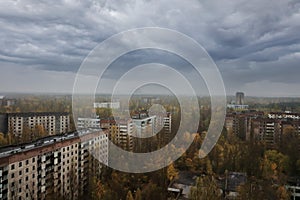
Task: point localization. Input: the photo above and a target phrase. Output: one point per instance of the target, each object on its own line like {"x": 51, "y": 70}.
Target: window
{"x": 12, "y": 175}
{"x": 20, "y": 164}
{"x": 12, "y": 167}
{"x": 27, "y": 162}
{"x": 20, "y": 173}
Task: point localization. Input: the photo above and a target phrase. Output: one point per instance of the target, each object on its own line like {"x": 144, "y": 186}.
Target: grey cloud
{"x": 251, "y": 41}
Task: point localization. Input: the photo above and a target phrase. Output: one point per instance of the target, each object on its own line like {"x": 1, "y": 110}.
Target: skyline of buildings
{"x": 264, "y": 127}
{"x": 58, "y": 164}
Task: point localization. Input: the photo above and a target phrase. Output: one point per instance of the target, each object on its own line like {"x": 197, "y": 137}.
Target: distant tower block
{"x": 239, "y": 98}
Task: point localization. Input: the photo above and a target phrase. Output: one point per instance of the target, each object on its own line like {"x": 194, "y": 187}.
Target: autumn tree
{"x": 274, "y": 166}
{"x": 206, "y": 189}
{"x": 129, "y": 196}
{"x": 172, "y": 173}
{"x": 3, "y": 139}
{"x": 138, "y": 195}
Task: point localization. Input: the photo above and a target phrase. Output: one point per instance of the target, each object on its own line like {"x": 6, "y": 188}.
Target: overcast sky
{"x": 255, "y": 44}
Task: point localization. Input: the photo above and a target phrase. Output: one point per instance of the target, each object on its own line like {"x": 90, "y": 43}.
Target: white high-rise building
{"x": 114, "y": 105}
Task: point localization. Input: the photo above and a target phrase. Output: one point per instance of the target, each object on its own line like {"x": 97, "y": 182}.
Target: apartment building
{"x": 145, "y": 125}
{"x": 240, "y": 123}
{"x": 114, "y": 105}
{"x": 52, "y": 167}
{"x": 52, "y": 122}
{"x": 84, "y": 123}
{"x": 7, "y": 102}
{"x": 284, "y": 115}
{"x": 120, "y": 132}
{"x": 267, "y": 131}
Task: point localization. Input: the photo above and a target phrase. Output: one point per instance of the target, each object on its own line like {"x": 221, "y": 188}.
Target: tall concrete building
{"x": 52, "y": 122}
{"x": 53, "y": 167}
{"x": 239, "y": 98}
{"x": 92, "y": 123}
{"x": 240, "y": 124}
{"x": 150, "y": 125}
{"x": 120, "y": 132}
{"x": 145, "y": 125}
{"x": 267, "y": 131}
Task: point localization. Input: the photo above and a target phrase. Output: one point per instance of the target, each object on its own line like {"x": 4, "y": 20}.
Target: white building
{"x": 114, "y": 105}
{"x": 93, "y": 123}
{"x": 145, "y": 126}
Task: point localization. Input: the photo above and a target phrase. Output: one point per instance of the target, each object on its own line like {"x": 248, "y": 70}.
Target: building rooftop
{"x": 12, "y": 149}
{"x": 26, "y": 114}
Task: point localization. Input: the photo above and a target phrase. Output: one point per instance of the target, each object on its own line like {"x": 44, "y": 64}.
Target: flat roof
{"x": 34, "y": 113}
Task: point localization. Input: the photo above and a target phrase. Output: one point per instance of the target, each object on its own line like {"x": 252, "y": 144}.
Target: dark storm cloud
{"x": 251, "y": 41}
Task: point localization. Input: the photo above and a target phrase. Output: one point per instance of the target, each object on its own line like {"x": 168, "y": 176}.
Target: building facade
{"x": 267, "y": 131}
{"x": 52, "y": 167}
{"x": 52, "y": 122}
{"x": 239, "y": 98}
{"x": 114, "y": 105}
{"x": 240, "y": 123}
{"x": 84, "y": 123}
{"x": 120, "y": 132}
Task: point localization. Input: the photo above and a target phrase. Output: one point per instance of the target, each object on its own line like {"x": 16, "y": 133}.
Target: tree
{"x": 12, "y": 139}
{"x": 26, "y": 134}
{"x": 152, "y": 191}
{"x": 39, "y": 131}
{"x": 138, "y": 195}
{"x": 261, "y": 189}
{"x": 172, "y": 173}
{"x": 129, "y": 196}
{"x": 274, "y": 166}
{"x": 99, "y": 189}
{"x": 3, "y": 140}
{"x": 206, "y": 189}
